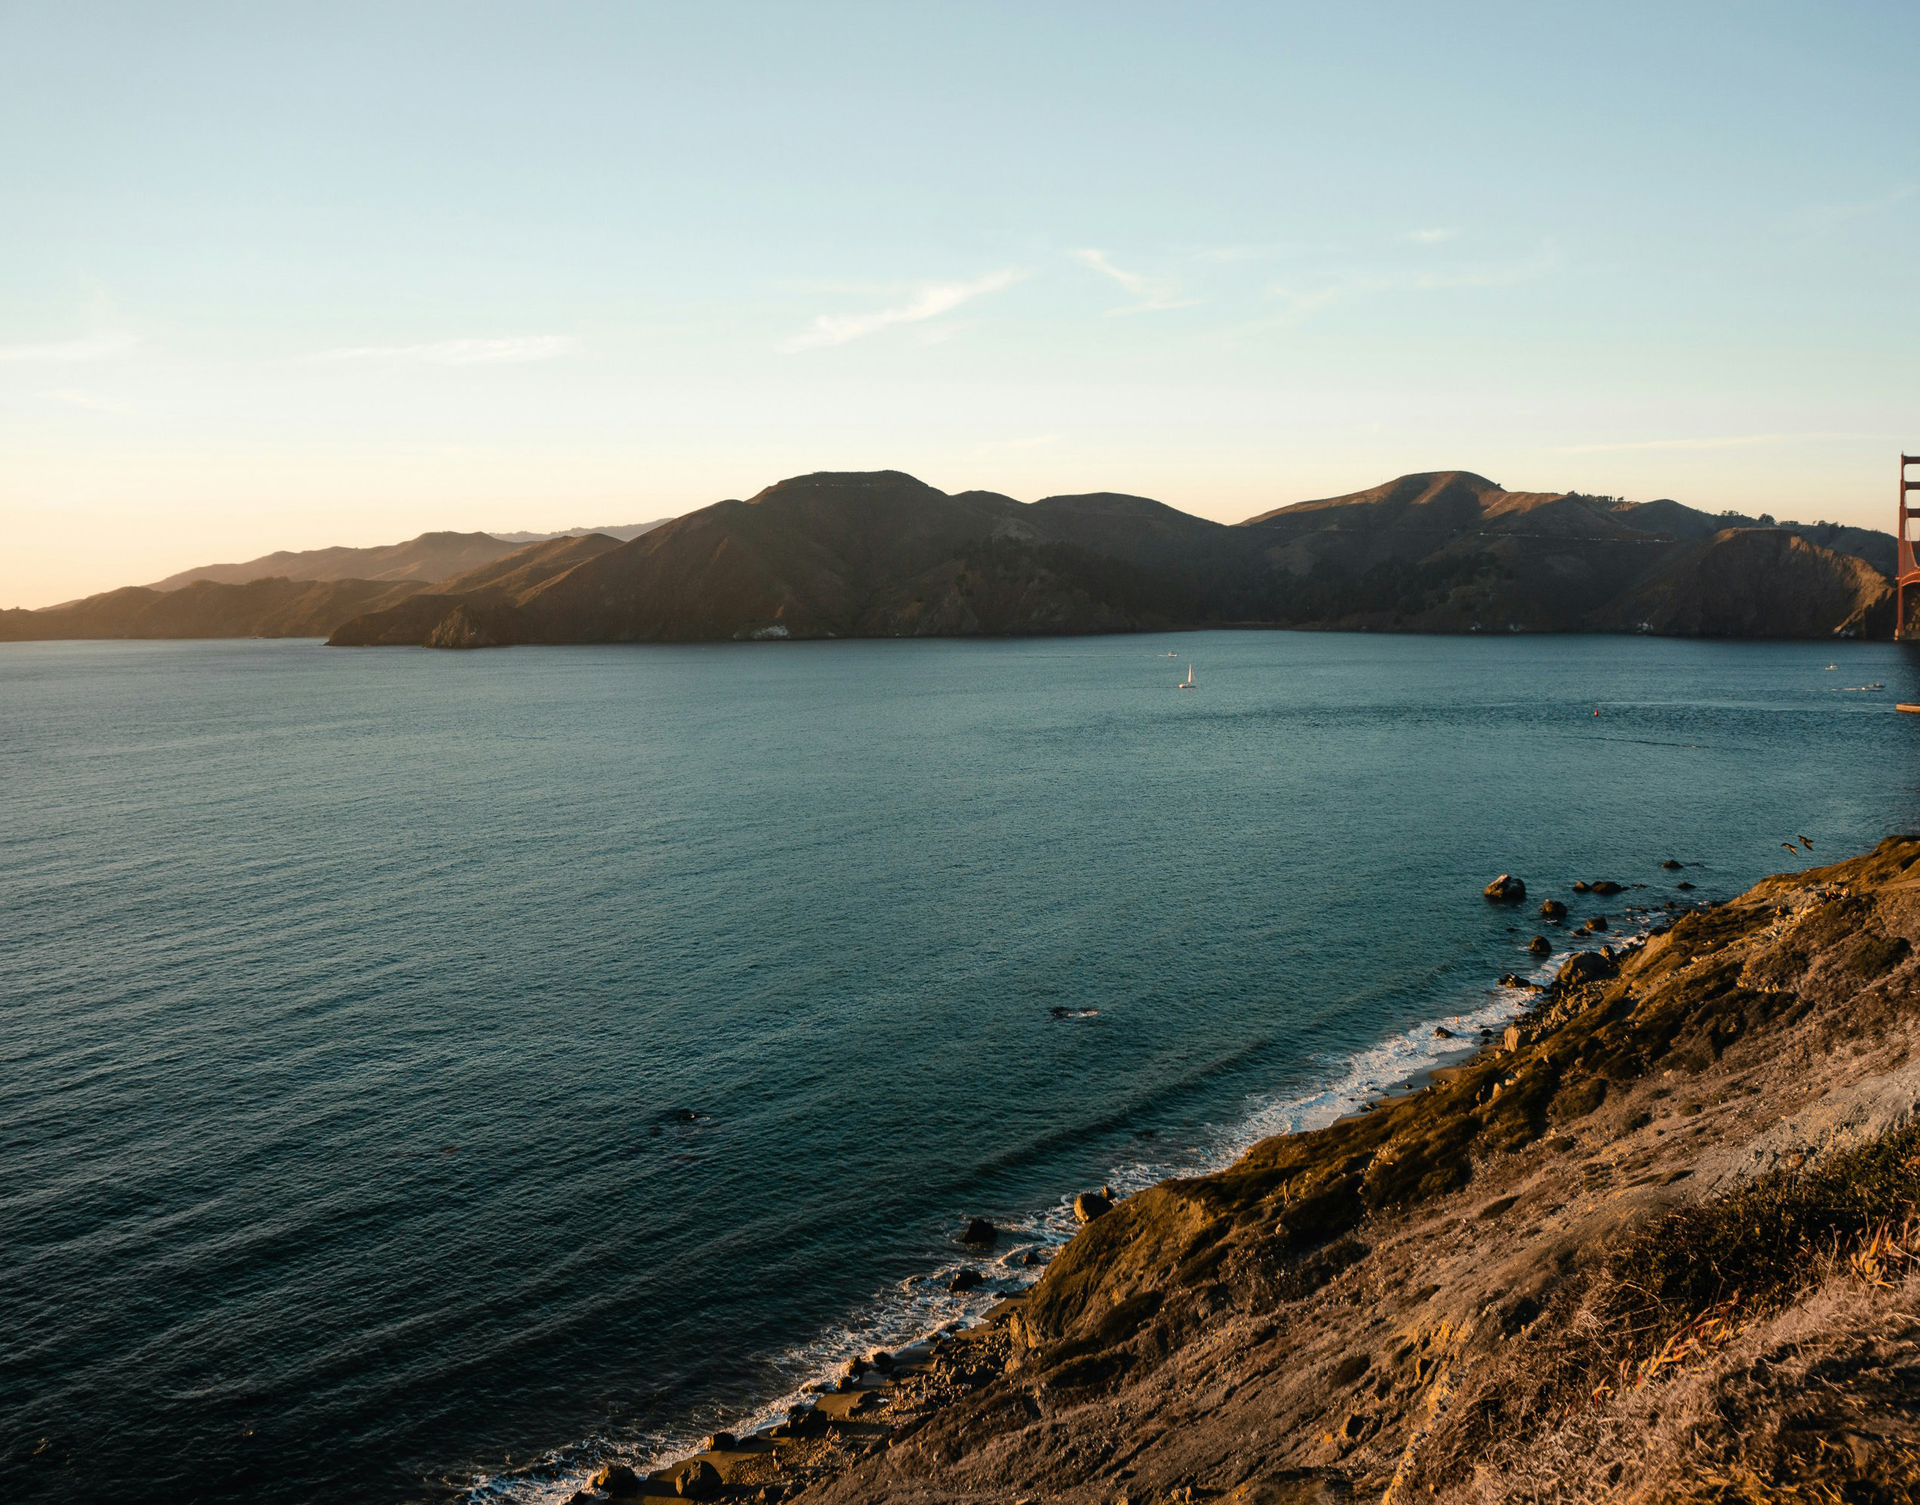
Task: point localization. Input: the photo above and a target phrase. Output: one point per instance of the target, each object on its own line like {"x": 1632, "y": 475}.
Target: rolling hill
{"x": 881, "y": 554}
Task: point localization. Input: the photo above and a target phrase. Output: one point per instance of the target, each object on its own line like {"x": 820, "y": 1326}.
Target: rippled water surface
{"x": 421, "y": 1072}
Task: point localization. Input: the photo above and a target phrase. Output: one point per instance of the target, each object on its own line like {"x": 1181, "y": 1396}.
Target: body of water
{"x": 427, "y": 1074}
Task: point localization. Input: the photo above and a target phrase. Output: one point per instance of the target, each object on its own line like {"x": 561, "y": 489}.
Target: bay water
{"x": 425, "y": 1075}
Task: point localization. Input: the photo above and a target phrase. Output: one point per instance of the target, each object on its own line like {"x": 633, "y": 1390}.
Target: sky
{"x": 288, "y": 276}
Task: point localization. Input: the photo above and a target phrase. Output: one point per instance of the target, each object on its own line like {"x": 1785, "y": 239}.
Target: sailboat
{"x": 1187, "y": 683}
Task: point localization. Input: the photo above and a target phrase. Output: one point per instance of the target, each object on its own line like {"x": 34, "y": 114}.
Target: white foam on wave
{"x": 912, "y": 1312}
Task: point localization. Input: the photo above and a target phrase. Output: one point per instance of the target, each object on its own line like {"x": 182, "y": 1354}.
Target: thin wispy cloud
{"x": 1346, "y": 286}
{"x": 1821, "y": 218}
{"x": 1030, "y": 441}
{"x": 504, "y": 352}
{"x": 929, "y": 301}
{"x": 67, "y": 397}
{"x": 1430, "y": 237}
{"x": 1717, "y": 441}
{"x": 95, "y": 347}
{"x": 1152, "y": 293}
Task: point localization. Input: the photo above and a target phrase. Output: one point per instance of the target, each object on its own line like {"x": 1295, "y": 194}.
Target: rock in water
{"x": 699, "y": 1480}
{"x": 979, "y": 1231}
{"x": 964, "y": 1280}
{"x": 616, "y": 1479}
{"x": 1671, "y": 865}
{"x": 1604, "y": 886}
{"x": 1090, "y": 1205}
{"x": 1506, "y": 889}
{"x": 721, "y": 1442}
{"x": 1540, "y": 946}
{"x": 1552, "y": 909}
{"x": 1598, "y": 922}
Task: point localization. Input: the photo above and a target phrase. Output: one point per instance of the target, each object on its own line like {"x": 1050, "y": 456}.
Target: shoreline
{"x": 1637, "y": 1094}
{"x": 926, "y": 1357}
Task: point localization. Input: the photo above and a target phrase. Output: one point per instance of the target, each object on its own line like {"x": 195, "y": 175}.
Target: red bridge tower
{"x": 1906, "y": 571}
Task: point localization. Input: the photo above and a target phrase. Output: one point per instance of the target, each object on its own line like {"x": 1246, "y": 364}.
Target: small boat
{"x": 1914, "y": 708}
{"x": 1833, "y": 666}
{"x": 1187, "y": 683}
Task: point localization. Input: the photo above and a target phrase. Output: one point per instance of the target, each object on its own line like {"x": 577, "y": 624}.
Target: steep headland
{"x": 1658, "y": 1243}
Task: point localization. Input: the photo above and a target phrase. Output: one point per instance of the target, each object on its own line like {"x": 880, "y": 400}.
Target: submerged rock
{"x": 1672, "y": 865}
{"x": 1603, "y": 886}
{"x": 1506, "y": 889}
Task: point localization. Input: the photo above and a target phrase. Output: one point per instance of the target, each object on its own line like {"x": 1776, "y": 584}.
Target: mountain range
{"x": 880, "y": 554}
{"x": 428, "y": 558}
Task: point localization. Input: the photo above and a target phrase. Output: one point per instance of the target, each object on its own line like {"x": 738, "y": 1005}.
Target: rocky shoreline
{"x": 1657, "y": 1242}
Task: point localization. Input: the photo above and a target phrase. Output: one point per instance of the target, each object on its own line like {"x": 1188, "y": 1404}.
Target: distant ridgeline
{"x": 879, "y": 554}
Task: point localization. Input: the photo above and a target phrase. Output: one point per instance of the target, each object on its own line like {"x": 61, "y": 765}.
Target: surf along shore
{"x": 1660, "y": 1242}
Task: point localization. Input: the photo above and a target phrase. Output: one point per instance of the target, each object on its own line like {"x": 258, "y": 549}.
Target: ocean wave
{"x": 908, "y": 1314}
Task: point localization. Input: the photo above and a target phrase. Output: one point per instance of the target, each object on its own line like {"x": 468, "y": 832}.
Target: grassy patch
{"x": 1753, "y": 1252}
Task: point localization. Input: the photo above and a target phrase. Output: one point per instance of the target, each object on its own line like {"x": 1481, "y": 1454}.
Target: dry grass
{"x": 1761, "y": 1348}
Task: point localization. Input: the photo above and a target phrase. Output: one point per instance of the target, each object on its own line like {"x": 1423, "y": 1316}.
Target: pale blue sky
{"x": 278, "y": 275}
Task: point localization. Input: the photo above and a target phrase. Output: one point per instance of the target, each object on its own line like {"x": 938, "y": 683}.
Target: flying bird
{"x": 1805, "y": 843}
{"x": 1791, "y": 847}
